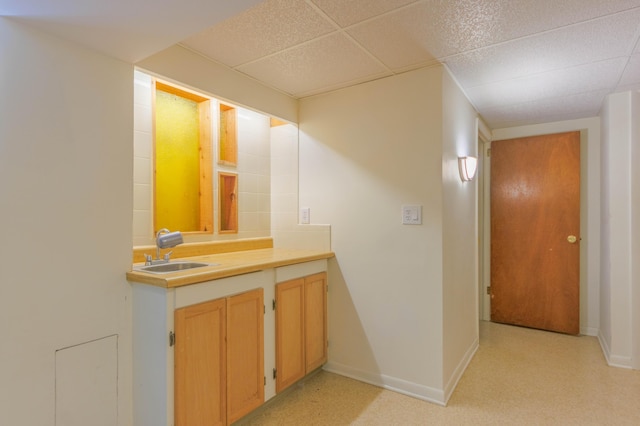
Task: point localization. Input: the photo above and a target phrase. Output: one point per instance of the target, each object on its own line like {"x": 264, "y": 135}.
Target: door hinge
{"x": 264, "y": 309}
{"x": 265, "y": 380}
{"x": 488, "y": 152}
{"x": 275, "y": 373}
{"x": 488, "y": 289}
{"x": 273, "y": 304}
{"x": 172, "y": 338}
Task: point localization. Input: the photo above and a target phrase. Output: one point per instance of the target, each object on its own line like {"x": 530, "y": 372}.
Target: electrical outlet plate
{"x": 412, "y": 215}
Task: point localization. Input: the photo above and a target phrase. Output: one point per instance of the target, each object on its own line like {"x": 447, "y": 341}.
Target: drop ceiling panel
{"x": 534, "y": 54}
{"x": 584, "y": 78}
{"x": 346, "y": 13}
{"x": 497, "y": 21}
{"x": 631, "y": 75}
{"x": 264, "y": 29}
{"x": 557, "y": 49}
{"x": 433, "y": 28}
{"x": 524, "y": 17}
{"x": 413, "y": 35}
{"x": 547, "y": 110}
{"x": 129, "y": 30}
{"x": 327, "y": 62}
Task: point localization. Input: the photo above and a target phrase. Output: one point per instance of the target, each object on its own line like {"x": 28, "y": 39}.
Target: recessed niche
{"x": 228, "y": 202}
{"x": 228, "y": 144}
{"x": 183, "y": 169}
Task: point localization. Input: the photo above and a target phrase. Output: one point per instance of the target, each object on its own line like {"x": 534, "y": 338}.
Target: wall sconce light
{"x": 467, "y": 167}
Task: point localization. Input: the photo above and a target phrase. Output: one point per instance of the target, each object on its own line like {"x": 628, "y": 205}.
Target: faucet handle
{"x": 167, "y": 255}
{"x": 147, "y": 259}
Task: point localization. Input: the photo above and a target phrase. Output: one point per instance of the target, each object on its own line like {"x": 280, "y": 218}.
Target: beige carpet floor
{"x": 518, "y": 376}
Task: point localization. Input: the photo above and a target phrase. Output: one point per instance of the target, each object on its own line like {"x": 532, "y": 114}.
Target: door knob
{"x": 572, "y": 239}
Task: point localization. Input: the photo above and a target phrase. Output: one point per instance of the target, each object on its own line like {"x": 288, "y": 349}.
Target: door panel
{"x": 200, "y": 360}
{"x": 245, "y": 353}
{"x": 290, "y": 356}
{"x": 315, "y": 309}
{"x": 535, "y": 212}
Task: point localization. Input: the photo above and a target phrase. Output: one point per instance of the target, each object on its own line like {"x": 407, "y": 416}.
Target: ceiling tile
{"x": 516, "y": 60}
{"x": 325, "y": 62}
{"x": 419, "y": 29}
{"x": 346, "y": 13}
{"x": 264, "y": 29}
{"x": 434, "y": 28}
{"x": 569, "y": 81}
{"x": 631, "y": 74}
{"x": 546, "y": 110}
{"x": 561, "y": 48}
{"x": 523, "y": 17}
{"x": 129, "y": 30}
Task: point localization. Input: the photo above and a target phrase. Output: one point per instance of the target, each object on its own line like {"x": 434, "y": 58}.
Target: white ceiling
{"x": 519, "y": 61}
{"x": 130, "y": 30}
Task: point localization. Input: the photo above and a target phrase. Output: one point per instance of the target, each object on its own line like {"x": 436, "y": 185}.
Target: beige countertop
{"x": 228, "y": 265}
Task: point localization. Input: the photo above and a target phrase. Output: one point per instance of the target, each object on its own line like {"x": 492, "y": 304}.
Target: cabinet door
{"x": 200, "y": 360}
{"x": 245, "y": 353}
{"x": 315, "y": 309}
{"x": 290, "y": 364}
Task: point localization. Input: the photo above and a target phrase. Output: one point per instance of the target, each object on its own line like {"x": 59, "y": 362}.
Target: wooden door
{"x": 315, "y": 310}
{"x": 290, "y": 356}
{"x": 535, "y": 232}
{"x": 245, "y": 353}
{"x": 200, "y": 365}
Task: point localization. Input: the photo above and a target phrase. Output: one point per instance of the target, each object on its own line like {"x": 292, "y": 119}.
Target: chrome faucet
{"x": 164, "y": 239}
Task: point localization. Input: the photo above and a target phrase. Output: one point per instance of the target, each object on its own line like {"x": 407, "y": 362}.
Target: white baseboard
{"x": 414, "y": 390}
{"x": 460, "y": 369}
{"x": 613, "y": 360}
{"x": 436, "y": 396}
{"x": 589, "y": 331}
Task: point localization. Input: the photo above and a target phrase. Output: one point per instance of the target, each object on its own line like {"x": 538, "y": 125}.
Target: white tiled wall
{"x": 253, "y": 169}
{"x": 142, "y": 158}
{"x": 286, "y": 231}
{"x": 254, "y": 174}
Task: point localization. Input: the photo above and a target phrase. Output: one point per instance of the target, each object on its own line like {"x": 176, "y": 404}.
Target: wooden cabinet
{"x": 315, "y": 312}
{"x": 290, "y": 357}
{"x": 301, "y": 328}
{"x": 200, "y": 363}
{"x": 245, "y": 353}
{"x": 219, "y": 359}
{"x": 224, "y": 341}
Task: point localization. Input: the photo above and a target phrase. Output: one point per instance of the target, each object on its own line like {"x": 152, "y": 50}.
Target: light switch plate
{"x": 412, "y": 215}
{"x": 305, "y": 215}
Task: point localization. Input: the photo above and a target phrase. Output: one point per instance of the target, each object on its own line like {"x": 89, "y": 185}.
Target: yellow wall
{"x": 177, "y": 163}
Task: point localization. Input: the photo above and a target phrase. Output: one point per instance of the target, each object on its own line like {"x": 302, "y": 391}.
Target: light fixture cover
{"x": 467, "y": 167}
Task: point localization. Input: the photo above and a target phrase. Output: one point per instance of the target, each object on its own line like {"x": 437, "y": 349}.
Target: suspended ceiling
{"x": 519, "y": 61}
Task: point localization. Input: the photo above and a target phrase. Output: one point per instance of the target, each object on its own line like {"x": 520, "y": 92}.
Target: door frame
{"x": 484, "y": 224}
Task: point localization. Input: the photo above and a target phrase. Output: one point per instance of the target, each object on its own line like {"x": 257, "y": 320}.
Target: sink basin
{"x": 164, "y": 268}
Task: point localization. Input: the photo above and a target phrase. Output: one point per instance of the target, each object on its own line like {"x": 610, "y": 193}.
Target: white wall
{"x": 635, "y": 230}
{"x": 286, "y": 230}
{"x": 364, "y": 152}
{"x": 619, "y": 279}
{"x": 590, "y": 320}
{"x": 460, "y": 235}
{"x": 66, "y": 201}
